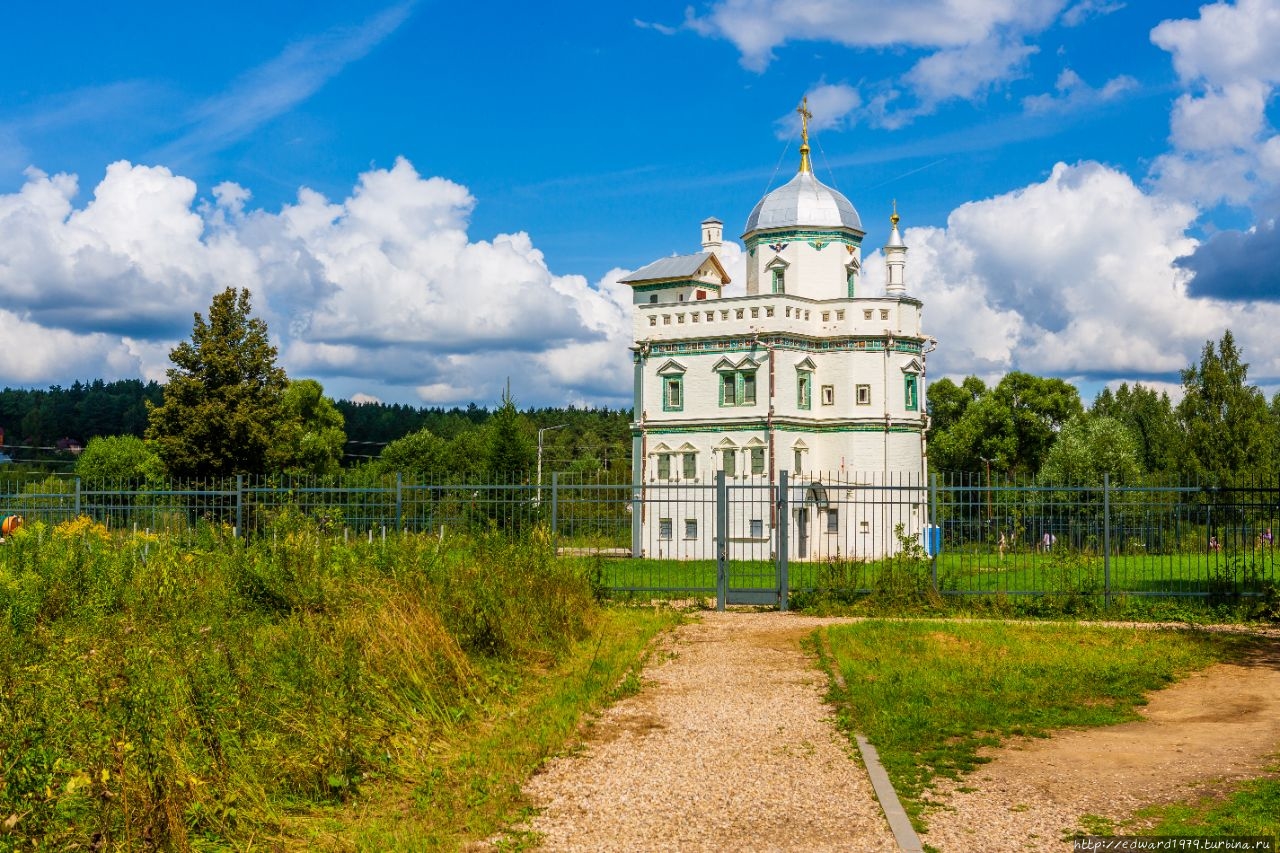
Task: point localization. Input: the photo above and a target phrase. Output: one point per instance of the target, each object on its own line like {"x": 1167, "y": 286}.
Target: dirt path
{"x": 1217, "y": 726}
{"x": 728, "y": 747}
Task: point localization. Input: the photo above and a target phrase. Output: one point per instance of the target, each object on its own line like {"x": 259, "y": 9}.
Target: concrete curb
{"x": 903, "y": 832}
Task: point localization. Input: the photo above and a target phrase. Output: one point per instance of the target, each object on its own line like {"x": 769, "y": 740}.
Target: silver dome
{"x": 803, "y": 201}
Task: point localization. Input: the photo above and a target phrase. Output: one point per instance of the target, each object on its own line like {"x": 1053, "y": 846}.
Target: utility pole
{"x": 540, "y": 432}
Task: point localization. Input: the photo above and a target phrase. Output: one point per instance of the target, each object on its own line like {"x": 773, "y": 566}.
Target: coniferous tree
{"x": 222, "y": 404}
{"x": 511, "y": 453}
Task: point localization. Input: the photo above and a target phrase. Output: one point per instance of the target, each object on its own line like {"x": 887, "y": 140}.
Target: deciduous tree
{"x": 1230, "y": 432}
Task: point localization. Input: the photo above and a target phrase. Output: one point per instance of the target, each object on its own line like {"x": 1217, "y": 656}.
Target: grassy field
{"x": 293, "y": 692}
{"x": 930, "y": 694}
{"x": 1031, "y": 583}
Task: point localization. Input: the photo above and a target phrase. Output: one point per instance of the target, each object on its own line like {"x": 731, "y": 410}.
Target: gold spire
{"x": 894, "y": 218}
{"x": 805, "y": 115}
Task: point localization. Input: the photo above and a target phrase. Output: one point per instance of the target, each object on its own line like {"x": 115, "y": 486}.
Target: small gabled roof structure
{"x": 678, "y": 268}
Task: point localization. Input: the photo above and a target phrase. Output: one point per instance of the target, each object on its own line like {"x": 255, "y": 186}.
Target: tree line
{"x": 228, "y": 408}
{"x": 1223, "y": 430}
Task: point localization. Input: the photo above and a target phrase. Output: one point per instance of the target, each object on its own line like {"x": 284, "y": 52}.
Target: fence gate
{"x": 751, "y": 543}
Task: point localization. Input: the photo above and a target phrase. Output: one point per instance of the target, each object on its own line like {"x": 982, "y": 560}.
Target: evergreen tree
{"x": 222, "y": 405}
{"x": 511, "y": 452}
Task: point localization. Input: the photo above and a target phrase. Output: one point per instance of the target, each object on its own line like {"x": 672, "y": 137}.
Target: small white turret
{"x": 712, "y": 234}
{"x": 895, "y": 260}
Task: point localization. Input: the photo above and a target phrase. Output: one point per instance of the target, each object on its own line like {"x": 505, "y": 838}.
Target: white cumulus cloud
{"x": 380, "y": 290}
{"x": 1076, "y": 275}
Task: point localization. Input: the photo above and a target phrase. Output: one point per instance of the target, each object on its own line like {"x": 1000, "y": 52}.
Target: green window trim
{"x": 779, "y": 280}
{"x": 673, "y": 394}
{"x": 804, "y": 389}
{"x": 911, "y": 389}
{"x": 737, "y": 388}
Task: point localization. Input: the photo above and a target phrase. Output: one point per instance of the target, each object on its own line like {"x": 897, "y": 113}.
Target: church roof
{"x": 676, "y": 266}
{"x": 804, "y": 201}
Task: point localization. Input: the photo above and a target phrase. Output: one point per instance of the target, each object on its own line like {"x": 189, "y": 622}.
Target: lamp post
{"x": 540, "y": 432}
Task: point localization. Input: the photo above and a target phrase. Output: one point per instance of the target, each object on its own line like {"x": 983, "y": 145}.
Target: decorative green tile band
{"x": 805, "y": 235}
{"x": 669, "y": 285}
{"x": 787, "y": 342}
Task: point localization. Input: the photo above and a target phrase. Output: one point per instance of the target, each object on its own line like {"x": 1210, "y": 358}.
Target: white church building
{"x": 808, "y": 373}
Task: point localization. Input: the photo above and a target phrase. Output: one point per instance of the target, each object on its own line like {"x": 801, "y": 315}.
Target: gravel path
{"x": 1196, "y": 737}
{"x": 728, "y": 747}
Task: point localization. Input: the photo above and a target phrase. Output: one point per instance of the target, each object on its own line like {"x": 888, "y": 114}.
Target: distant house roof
{"x": 676, "y": 267}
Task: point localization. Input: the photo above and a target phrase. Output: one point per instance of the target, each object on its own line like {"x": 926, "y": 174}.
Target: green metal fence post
{"x": 239, "y": 531}
{"x": 722, "y": 541}
{"x": 399, "y": 502}
{"x": 784, "y": 542}
{"x": 935, "y": 544}
{"x": 555, "y": 500}
{"x": 77, "y": 497}
{"x": 1106, "y": 540}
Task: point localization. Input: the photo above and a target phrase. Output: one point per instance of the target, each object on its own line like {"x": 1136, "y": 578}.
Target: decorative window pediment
{"x": 756, "y": 442}
{"x": 800, "y": 445}
{"x": 661, "y": 447}
{"x": 806, "y": 364}
{"x": 726, "y": 444}
{"x": 671, "y": 368}
{"x": 777, "y": 264}
{"x": 724, "y": 364}
{"x": 913, "y": 366}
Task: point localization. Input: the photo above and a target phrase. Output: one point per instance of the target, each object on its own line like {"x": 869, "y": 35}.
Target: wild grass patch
{"x": 194, "y": 695}
{"x": 930, "y": 695}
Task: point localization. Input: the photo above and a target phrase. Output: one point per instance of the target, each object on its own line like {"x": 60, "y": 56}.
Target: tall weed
{"x": 172, "y": 694}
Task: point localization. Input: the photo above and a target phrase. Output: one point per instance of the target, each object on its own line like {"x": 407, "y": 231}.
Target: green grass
{"x": 215, "y": 693}
{"x": 930, "y": 695}
{"x": 1252, "y": 808}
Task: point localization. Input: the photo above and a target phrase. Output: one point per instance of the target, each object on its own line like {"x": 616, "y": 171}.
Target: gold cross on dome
{"x": 805, "y": 115}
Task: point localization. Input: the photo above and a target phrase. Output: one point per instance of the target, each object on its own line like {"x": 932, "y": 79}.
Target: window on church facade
{"x": 691, "y": 528}
{"x": 851, "y": 281}
{"x": 690, "y": 466}
{"x": 911, "y": 388}
{"x": 738, "y": 388}
{"x": 757, "y": 460}
{"x": 729, "y": 462}
{"x": 664, "y": 528}
{"x": 833, "y": 521}
{"x": 664, "y": 466}
{"x": 828, "y": 395}
{"x": 799, "y": 461}
{"x": 864, "y": 395}
{"x": 804, "y": 390}
{"x": 673, "y": 394}
{"x": 779, "y": 280}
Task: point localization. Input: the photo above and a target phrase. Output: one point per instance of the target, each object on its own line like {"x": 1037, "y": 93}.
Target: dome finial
{"x": 805, "y": 115}
{"x": 894, "y": 218}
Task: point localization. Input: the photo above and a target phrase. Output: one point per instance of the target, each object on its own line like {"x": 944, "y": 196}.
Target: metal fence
{"x": 1154, "y": 539}
{"x": 752, "y": 539}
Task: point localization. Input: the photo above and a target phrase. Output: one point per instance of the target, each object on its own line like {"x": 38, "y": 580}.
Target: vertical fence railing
{"x": 981, "y": 535}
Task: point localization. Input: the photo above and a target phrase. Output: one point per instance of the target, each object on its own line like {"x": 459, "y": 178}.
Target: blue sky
{"x": 429, "y": 198}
